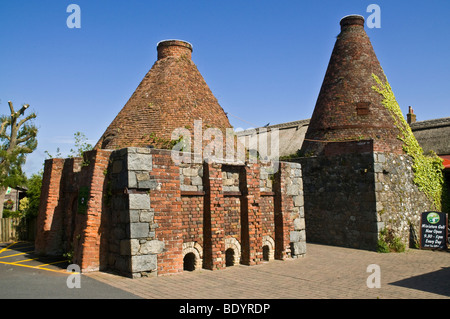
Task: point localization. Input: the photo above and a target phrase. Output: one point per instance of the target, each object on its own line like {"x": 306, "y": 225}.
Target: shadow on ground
{"x": 25, "y": 250}
{"x": 434, "y": 282}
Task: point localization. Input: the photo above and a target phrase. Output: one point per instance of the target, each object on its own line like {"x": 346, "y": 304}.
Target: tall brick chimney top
{"x": 173, "y": 94}
{"x": 352, "y": 20}
{"x": 410, "y": 117}
{"x": 347, "y": 108}
{"x": 175, "y": 48}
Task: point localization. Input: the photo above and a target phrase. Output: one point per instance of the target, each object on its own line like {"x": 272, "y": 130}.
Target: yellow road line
{"x": 6, "y": 248}
{"x": 55, "y": 262}
{"x": 21, "y": 261}
{"x": 34, "y": 267}
{"x": 27, "y": 252}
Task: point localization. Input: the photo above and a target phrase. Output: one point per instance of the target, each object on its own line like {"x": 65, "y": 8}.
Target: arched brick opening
{"x": 232, "y": 248}
{"x": 192, "y": 256}
{"x": 268, "y": 245}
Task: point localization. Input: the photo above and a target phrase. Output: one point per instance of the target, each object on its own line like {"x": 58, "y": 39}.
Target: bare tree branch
{"x": 29, "y": 117}
{"x": 11, "y": 107}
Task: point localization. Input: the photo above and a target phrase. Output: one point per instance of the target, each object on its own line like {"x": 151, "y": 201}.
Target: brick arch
{"x": 197, "y": 250}
{"x": 233, "y": 243}
{"x": 270, "y": 243}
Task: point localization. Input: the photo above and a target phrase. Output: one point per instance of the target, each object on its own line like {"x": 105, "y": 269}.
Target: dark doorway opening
{"x": 189, "y": 262}
{"x": 229, "y": 257}
{"x": 266, "y": 252}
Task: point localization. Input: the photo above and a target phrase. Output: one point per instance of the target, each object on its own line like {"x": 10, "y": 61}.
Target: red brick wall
{"x": 207, "y": 217}
{"x": 267, "y": 208}
{"x": 50, "y": 219}
{"x": 232, "y": 218}
{"x": 192, "y": 217}
{"x": 90, "y": 240}
{"x": 214, "y": 236}
{"x": 166, "y": 203}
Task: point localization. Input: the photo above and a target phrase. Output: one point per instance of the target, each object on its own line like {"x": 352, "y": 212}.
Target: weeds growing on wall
{"x": 428, "y": 169}
{"x": 388, "y": 242}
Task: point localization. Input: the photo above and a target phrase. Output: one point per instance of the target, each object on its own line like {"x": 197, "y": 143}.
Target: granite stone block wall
{"x": 399, "y": 203}
{"x": 350, "y": 197}
{"x": 340, "y": 201}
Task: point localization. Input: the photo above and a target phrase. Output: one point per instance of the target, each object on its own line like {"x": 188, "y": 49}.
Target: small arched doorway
{"x": 189, "y": 261}
{"x": 229, "y": 257}
{"x": 266, "y": 253}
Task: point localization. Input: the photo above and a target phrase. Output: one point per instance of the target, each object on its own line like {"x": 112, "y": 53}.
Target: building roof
{"x": 446, "y": 162}
{"x": 347, "y": 107}
{"x": 173, "y": 94}
{"x": 433, "y": 135}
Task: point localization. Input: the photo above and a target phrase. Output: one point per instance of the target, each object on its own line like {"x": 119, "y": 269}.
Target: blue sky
{"x": 264, "y": 60}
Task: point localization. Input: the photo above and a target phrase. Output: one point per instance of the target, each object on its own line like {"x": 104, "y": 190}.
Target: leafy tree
{"x": 17, "y": 138}
{"x": 34, "y": 185}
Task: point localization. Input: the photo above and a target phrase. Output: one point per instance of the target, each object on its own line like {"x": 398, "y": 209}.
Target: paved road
{"x": 24, "y": 275}
{"x": 326, "y": 272}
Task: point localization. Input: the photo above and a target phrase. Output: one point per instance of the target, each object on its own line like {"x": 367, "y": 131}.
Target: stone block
{"x": 129, "y": 247}
{"x": 139, "y": 162}
{"x": 188, "y": 188}
{"x": 139, "y": 230}
{"x": 228, "y": 182}
{"x": 146, "y": 216}
{"x": 197, "y": 180}
{"x": 132, "y": 181}
{"x": 139, "y": 201}
{"x": 293, "y": 189}
{"x": 299, "y": 224}
{"x": 297, "y": 236}
{"x": 134, "y": 216}
{"x": 190, "y": 171}
{"x": 152, "y": 247}
{"x": 298, "y": 200}
{"x": 143, "y": 263}
{"x": 147, "y": 184}
{"x": 299, "y": 248}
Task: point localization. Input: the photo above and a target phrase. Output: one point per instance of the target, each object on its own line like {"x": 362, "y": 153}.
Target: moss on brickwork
{"x": 428, "y": 169}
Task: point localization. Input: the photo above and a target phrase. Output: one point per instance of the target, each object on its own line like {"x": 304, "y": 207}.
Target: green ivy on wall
{"x": 428, "y": 169}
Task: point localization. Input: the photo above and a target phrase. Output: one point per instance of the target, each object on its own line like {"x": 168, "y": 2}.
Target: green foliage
{"x": 8, "y": 204}
{"x": 81, "y": 145}
{"x": 23, "y": 204}
{"x": 17, "y": 138}
{"x": 11, "y": 213}
{"x": 428, "y": 169}
{"x": 388, "y": 242}
{"x": 34, "y": 185}
{"x": 291, "y": 156}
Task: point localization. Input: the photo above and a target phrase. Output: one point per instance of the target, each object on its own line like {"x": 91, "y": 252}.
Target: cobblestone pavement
{"x": 325, "y": 272}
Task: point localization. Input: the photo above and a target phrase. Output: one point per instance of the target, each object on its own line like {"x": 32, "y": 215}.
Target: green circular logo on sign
{"x": 433, "y": 218}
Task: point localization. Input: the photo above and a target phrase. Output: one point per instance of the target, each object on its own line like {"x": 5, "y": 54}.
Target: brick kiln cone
{"x": 172, "y": 95}
{"x": 347, "y": 108}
